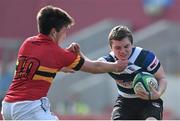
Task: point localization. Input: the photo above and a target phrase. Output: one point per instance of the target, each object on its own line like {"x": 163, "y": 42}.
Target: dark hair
{"x": 120, "y": 32}
{"x": 53, "y": 17}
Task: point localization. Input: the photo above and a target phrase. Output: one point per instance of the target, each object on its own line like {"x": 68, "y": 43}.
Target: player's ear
{"x": 53, "y": 32}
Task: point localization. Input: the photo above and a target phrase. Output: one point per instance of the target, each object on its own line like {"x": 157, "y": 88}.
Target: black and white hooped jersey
{"x": 139, "y": 60}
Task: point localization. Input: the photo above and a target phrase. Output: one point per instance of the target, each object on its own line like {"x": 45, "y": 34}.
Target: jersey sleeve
{"x": 151, "y": 62}
{"x": 77, "y": 63}
{"x": 70, "y": 60}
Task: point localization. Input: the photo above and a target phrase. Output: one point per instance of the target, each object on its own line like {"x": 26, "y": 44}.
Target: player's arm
{"x": 103, "y": 67}
{"x": 95, "y": 66}
{"x": 153, "y": 66}
{"x": 157, "y": 70}
{"x": 99, "y": 66}
{"x": 161, "y": 78}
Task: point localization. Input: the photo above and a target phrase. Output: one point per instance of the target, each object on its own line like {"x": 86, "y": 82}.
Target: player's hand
{"x": 74, "y": 47}
{"x": 67, "y": 70}
{"x": 143, "y": 95}
{"x": 154, "y": 93}
{"x": 121, "y": 65}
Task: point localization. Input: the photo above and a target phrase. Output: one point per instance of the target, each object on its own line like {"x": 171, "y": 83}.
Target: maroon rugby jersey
{"x": 39, "y": 59}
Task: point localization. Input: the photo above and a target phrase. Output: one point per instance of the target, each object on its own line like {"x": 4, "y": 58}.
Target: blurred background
{"x": 155, "y": 25}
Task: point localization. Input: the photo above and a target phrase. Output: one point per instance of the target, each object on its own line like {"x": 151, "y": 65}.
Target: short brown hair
{"x": 53, "y": 17}
{"x": 120, "y": 32}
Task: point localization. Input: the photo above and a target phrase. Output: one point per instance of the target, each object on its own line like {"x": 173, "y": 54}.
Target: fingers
{"x": 121, "y": 65}
{"x": 154, "y": 93}
{"x": 152, "y": 89}
{"x": 74, "y": 47}
{"x": 143, "y": 95}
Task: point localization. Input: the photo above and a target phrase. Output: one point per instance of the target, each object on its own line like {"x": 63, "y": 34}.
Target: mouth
{"x": 123, "y": 56}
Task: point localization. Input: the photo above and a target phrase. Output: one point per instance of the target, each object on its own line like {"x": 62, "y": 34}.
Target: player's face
{"x": 122, "y": 49}
{"x": 61, "y": 35}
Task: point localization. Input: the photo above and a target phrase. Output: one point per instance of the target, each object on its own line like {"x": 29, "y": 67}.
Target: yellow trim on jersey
{"x": 39, "y": 74}
{"x": 75, "y": 63}
{"x": 46, "y": 69}
{"x": 38, "y": 77}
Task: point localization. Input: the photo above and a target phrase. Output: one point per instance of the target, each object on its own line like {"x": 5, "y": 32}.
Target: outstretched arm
{"x": 95, "y": 67}
{"x": 103, "y": 67}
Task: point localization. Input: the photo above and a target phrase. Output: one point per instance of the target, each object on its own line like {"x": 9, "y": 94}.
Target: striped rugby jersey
{"x": 139, "y": 60}
{"x": 38, "y": 61}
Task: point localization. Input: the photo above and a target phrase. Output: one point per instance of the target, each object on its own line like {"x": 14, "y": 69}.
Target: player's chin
{"x": 123, "y": 58}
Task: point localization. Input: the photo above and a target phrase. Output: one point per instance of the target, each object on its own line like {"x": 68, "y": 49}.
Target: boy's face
{"x": 122, "y": 49}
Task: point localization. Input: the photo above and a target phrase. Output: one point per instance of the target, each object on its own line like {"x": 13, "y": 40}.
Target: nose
{"x": 122, "y": 51}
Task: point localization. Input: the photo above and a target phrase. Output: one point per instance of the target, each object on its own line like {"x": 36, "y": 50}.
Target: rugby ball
{"x": 142, "y": 82}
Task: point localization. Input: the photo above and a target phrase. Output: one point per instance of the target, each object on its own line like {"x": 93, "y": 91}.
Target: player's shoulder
{"x": 144, "y": 58}
{"x": 26, "y": 42}
{"x": 142, "y": 51}
{"x": 32, "y": 38}
{"x": 29, "y": 40}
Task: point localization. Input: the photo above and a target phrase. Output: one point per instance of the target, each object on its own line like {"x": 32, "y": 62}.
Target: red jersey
{"x": 39, "y": 59}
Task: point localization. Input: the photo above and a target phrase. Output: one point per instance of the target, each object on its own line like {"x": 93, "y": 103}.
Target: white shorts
{"x": 28, "y": 110}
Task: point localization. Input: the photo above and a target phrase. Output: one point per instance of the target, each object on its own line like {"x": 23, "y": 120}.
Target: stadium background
{"x": 155, "y": 24}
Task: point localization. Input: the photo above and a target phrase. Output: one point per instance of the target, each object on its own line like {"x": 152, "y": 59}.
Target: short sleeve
{"x": 151, "y": 62}
{"x": 69, "y": 59}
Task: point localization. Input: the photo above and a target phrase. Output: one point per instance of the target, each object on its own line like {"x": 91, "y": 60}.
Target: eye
{"x": 117, "y": 48}
{"x": 127, "y": 46}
